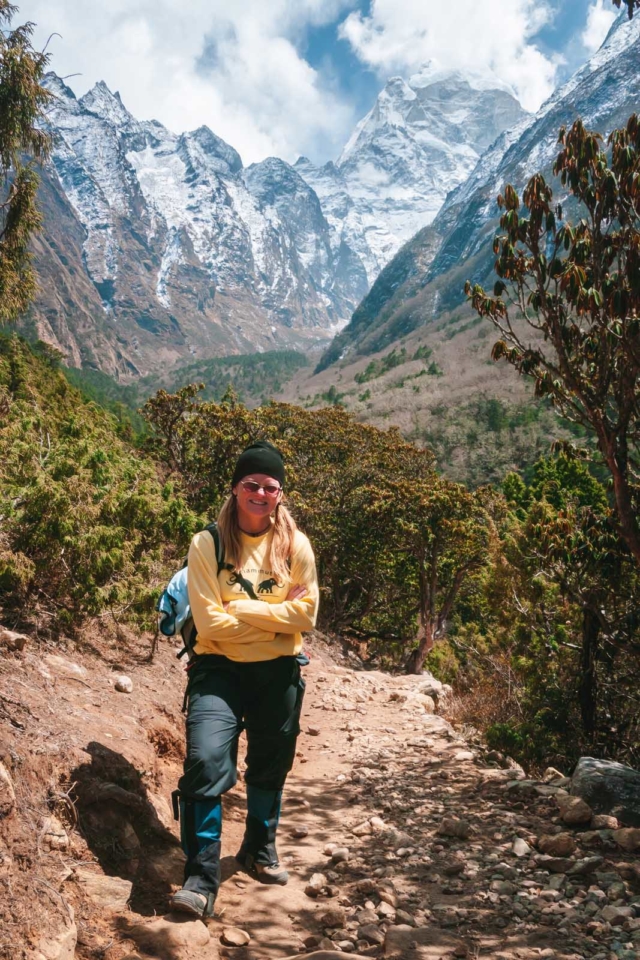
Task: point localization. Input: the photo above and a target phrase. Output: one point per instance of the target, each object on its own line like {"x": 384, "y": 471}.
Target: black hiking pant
{"x": 224, "y": 697}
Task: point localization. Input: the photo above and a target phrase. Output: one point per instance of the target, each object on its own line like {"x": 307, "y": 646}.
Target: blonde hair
{"x": 284, "y": 529}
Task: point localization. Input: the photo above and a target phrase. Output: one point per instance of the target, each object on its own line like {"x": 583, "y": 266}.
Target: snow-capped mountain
{"x": 160, "y": 248}
{"x": 426, "y": 278}
{"x": 422, "y": 139}
{"x": 190, "y": 254}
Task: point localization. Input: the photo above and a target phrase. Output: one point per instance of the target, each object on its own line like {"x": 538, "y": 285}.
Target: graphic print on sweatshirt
{"x": 263, "y": 585}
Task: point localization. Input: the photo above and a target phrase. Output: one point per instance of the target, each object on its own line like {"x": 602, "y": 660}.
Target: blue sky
{"x": 292, "y": 77}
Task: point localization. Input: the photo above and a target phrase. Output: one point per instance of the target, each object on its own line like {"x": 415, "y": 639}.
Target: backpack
{"x": 174, "y": 610}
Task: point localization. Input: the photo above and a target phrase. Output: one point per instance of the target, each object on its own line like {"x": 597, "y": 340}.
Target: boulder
{"x": 432, "y": 687}
{"x": 616, "y": 915}
{"x": 316, "y": 885}
{"x": 362, "y": 829}
{"x": 602, "y": 821}
{"x": 340, "y": 854}
{"x": 174, "y": 936}
{"x": 608, "y": 787}
{"x": 555, "y": 864}
{"x": 334, "y": 917}
{"x": 552, "y": 774}
{"x": 109, "y": 893}
{"x": 371, "y": 933}
{"x": 422, "y": 701}
{"x": 451, "y": 827}
{"x": 521, "y": 848}
{"x": 585, "y": 866}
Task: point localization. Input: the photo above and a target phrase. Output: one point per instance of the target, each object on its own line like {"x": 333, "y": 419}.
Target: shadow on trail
{"x": 122, "y": 828}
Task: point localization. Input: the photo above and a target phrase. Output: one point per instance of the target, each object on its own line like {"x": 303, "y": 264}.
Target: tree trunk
{"x": 588, "y": 690}
{"x": 415, "y": 663}
{"x": 625, "y": 508}
{"x": 626, "y": 514}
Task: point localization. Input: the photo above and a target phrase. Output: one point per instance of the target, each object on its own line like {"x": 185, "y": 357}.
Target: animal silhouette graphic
{"x": 246, "y": 585}
{"x": 266, "y": 586}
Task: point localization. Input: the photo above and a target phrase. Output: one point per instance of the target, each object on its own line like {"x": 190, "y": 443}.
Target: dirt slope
{"x": 89, "y": 855}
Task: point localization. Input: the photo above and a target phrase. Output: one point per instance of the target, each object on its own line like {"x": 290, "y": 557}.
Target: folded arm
{"x": 289, "y": 616}
{"x": 212, "y": 621}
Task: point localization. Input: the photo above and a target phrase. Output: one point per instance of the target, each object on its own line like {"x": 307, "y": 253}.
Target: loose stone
{"x": 335, "y": 917}
{"x": 560, "y": 845}
{"x": 454, "y": 828}
{"x": 316, "y": 885}
{"x": 340, "y": 855}
{"x": 7, "y": 793}
{"x": 521, "y": 848}
{"x": 371, "y": 933}
{"x": 235, "y": 937}
{"x": 616, "y": 915}
{"x": 574, "y": 810}
{"x": 628, "y": 838}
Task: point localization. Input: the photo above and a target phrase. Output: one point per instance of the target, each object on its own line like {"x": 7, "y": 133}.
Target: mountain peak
{"x": 105, "y": 104}
{"x": 219, "y": 155}
{"x": 57, "y": 86}
{"x": 456, "y": 107}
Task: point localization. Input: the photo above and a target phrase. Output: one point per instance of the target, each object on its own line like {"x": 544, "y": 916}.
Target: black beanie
{"x": 259, "y": 457}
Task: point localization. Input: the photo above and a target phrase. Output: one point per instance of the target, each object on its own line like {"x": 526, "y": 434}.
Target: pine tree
{"x": 22, "y": 145}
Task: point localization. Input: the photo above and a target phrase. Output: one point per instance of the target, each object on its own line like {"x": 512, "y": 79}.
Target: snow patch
{"x": 171, "y": 257}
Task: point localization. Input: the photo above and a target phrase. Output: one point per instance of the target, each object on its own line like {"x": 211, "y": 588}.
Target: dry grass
{"x": 487, "y": 696}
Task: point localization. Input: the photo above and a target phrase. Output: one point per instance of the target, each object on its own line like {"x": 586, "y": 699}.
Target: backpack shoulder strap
{"x": 217, "y": 542}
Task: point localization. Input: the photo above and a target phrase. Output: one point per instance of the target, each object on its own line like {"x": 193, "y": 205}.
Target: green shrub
{"x": 87, "y": 523}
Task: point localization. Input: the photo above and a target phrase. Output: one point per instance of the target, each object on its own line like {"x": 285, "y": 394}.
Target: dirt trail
{"x": 437, "y": 872}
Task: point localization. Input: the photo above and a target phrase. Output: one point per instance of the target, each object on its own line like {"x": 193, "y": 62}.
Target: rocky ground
{"x": 401, "y": 840}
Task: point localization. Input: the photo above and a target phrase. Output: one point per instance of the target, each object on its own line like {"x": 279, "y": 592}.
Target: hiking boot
{"x": 195, "y": 904}
{"x": 264, "y": 872}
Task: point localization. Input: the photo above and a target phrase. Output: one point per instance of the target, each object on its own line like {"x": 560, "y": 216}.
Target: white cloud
{"x": 599, "y": 20}
{"x": 486, "y": 35}
{"x": 231, "y": 65}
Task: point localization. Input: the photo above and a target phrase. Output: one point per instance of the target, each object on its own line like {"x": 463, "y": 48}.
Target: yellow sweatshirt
{"x": 251, "y": 630}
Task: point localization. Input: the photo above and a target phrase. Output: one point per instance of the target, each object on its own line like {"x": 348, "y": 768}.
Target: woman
{"x": 249, "y": 616}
